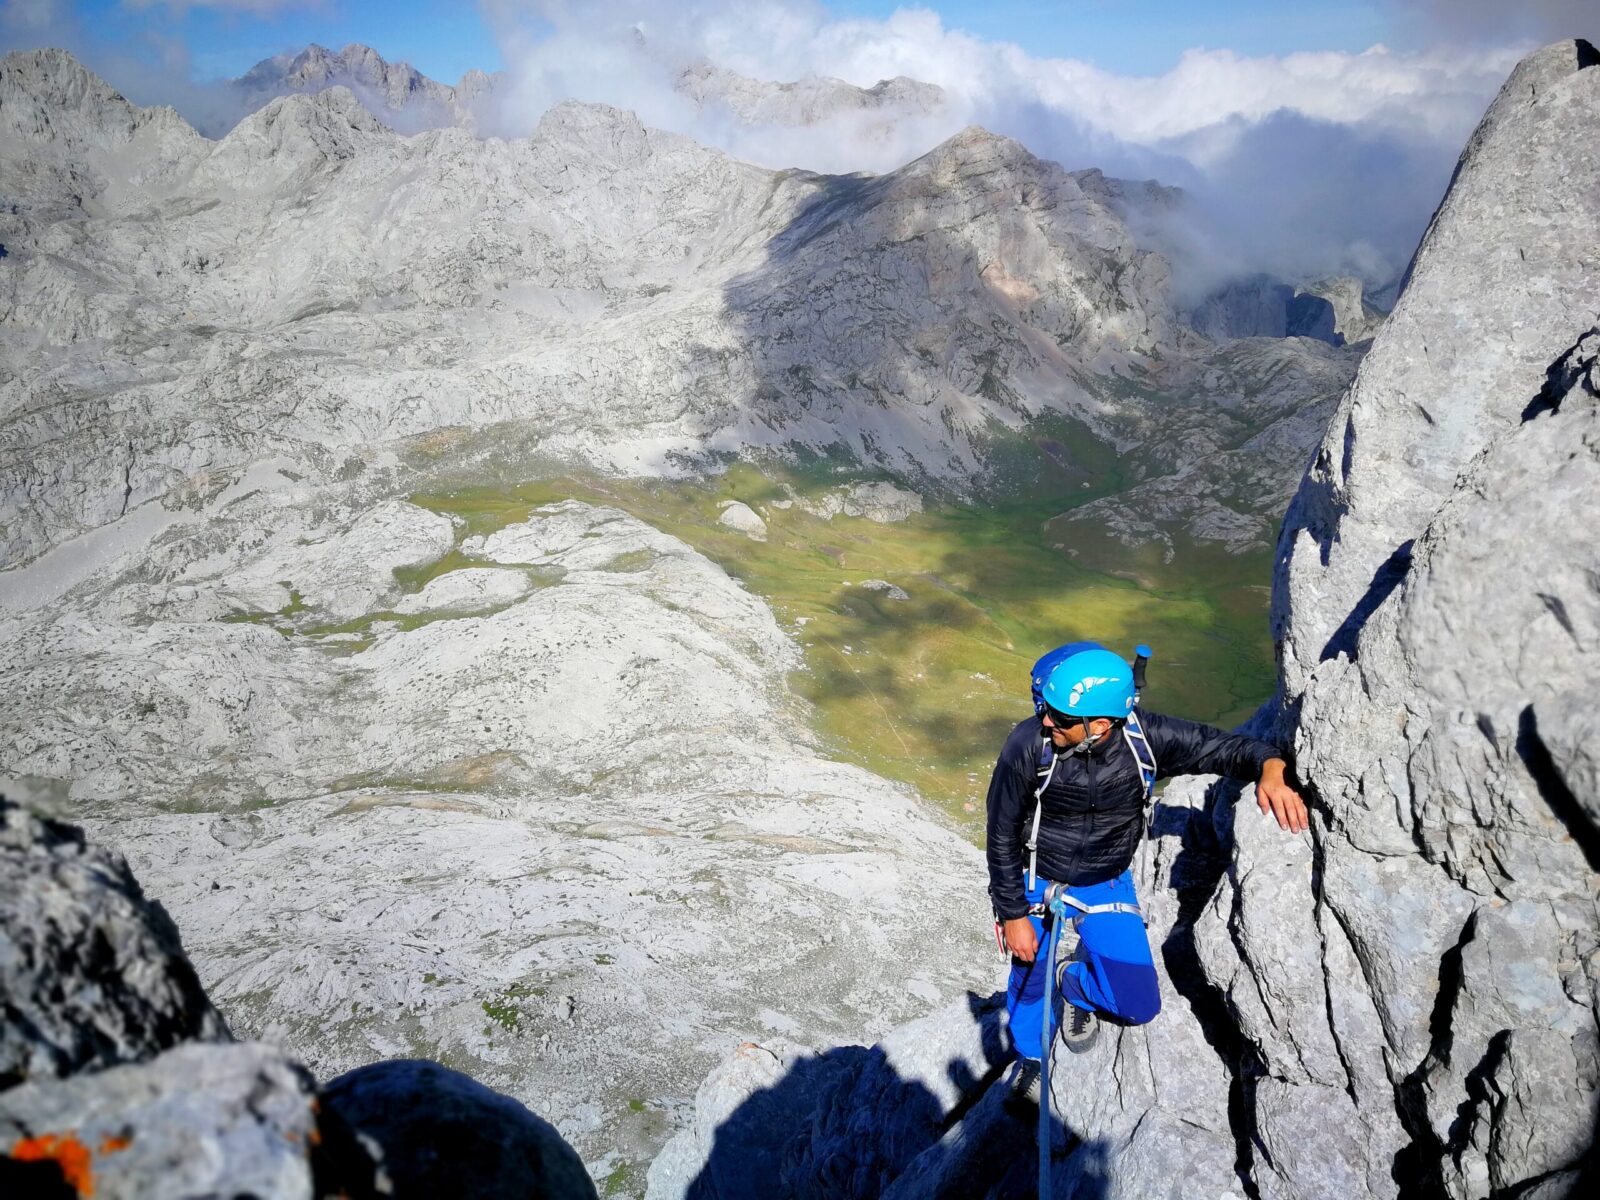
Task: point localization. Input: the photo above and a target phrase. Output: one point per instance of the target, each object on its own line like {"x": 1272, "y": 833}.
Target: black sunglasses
{"x": 1063, "y": 720}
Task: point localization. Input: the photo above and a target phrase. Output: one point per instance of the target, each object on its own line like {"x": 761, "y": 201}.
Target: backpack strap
{"x": 1045, "y": 771}
{"x": 1133, "y": 734}
{"x": 1144, "y": 756}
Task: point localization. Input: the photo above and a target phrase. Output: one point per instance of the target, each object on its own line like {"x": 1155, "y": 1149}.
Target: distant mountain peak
{"x": 809, "y": 100}
{"x": 395, "y": 92}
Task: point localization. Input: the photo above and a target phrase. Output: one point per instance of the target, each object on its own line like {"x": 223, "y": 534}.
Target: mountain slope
{"x": 614, "y": 296}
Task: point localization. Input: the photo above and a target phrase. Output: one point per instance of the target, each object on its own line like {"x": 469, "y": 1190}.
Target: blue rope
{"x": 1058, "y": 914}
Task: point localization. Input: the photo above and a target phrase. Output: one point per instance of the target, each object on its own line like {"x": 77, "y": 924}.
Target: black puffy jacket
{"x": 1094, "y": 806}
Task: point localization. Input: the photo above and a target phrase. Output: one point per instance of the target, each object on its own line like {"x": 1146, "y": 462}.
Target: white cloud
{"x": 1300, "y": 164}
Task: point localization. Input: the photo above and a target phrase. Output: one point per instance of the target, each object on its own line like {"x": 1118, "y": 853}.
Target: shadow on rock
{"x": 927, "y": 1114}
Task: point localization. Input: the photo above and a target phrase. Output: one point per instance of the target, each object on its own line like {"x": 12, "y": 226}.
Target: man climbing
{"x": 1066, "y": 817}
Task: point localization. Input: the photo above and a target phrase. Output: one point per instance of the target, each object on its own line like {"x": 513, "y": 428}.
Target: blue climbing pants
{"x": 1113, "y": 974}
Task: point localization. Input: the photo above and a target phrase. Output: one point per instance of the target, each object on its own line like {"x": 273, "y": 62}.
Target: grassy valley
{"x": 924, "y": 689}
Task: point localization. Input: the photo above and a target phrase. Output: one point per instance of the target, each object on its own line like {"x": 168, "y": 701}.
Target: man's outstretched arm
{"x": 1190, "y": 748}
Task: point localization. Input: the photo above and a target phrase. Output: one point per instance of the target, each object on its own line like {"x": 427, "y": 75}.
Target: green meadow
{"x": 925, "y": 689}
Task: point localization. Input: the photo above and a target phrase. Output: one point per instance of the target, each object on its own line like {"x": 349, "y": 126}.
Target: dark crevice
{"x": 1558, "y": 610}
{"x": 1323, "y": 913}
{"x": 127, "y": 481}
{"x": 1478, "y": 1092}
{"x": 1553, "y": 788}
{"x": 1418, "y": 1168}
{"x": 1570, "y": 370}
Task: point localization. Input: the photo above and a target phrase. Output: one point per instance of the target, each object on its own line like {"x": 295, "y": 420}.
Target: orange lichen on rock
{"x": 66, "y": 1151}
{"x": 112, "y": 1144}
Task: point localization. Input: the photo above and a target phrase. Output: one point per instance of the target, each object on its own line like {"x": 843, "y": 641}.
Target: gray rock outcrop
{"x": 881, "y": 502}
{"x": 1328, "y": 310}
{"x": 741, "y": 517}
{"x": 169, "y": 1114}
{"x": 92, "y": 973}
{"x": 197, "y": 1120}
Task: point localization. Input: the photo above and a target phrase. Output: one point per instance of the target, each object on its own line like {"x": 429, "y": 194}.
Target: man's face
{"x": 1067, "y": 732}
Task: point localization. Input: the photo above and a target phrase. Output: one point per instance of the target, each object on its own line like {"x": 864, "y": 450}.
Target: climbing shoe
{"x": 1022, "y": 1085}
{"x": 1079, "y": 1027}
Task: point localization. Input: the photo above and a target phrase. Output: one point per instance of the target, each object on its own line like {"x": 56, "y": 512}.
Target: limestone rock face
{"x": 397, "y": 93}
{"x": 549, "y": 812}
{"x": 1495, "y": 295}
{"x": 92, "y": 973}
{"x": 1426, "y": 955}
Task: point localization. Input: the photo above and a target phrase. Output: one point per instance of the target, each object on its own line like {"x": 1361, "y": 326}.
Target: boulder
{"x": 198, "y": 1120}
{"x": 741, "y": 517}
{"x": 92, "y": 974}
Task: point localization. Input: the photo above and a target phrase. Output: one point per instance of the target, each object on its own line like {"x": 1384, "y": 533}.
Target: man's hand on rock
{"x": 1020, "y": 938}
{"x": 1278, "y": 799}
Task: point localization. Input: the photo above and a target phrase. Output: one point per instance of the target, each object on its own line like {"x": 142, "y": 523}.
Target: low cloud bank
{"x": 1301, "y": 165}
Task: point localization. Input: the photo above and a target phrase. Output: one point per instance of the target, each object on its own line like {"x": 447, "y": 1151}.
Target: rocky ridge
{"x": 599, "y": 294}
{"x": 396, "y": 93}
{"x": 809, "y": 101}
{"x": 1404, "y": 1001}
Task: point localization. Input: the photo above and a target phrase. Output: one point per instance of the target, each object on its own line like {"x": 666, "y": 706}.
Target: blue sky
{"x": 1138, "y": 37}
{"x": 1146, "y": 37}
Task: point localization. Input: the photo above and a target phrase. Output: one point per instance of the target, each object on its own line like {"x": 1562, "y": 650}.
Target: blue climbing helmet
{"x": 1086, "y": 680}
{"x": 1048, "y": 662}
